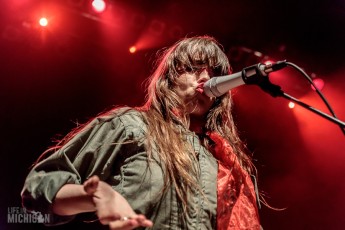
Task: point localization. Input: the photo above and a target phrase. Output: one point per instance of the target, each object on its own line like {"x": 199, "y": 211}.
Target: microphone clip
{"x": 258, "y": 75}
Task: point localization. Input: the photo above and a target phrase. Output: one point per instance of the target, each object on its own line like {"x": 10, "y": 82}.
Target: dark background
{"x": 79, "y": 65}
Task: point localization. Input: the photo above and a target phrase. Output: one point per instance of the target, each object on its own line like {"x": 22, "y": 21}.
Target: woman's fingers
{"x": 143, "y": 221}
{"x": 123, "y": 224}
{"x": 130, "y": 223}
{"x": 107, "y": 219}
{"x": 90, "y": 186}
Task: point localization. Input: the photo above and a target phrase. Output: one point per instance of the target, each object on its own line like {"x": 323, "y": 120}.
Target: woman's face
{"x": 191, "y": 91}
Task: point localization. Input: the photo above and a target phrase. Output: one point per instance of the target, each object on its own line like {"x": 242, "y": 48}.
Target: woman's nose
{"x": 205, "y": 73}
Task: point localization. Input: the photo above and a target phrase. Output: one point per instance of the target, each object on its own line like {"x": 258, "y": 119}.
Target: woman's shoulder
{"x": 128, "y": 117}
{"x": 126, "y": 120}
{"x": 125, "y": 114}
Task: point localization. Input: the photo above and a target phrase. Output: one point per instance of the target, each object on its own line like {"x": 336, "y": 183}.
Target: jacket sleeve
{"x": 91, "y": 152}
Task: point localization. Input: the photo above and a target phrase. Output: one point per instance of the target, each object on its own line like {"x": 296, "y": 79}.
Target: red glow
{"x": 98, "y": 5}
{"x": 43, "y": 22}
{"x": 319, "y": 83}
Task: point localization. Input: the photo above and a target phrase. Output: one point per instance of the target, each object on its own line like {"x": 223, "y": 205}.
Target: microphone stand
{"x": 254, "y": 75}
{"x": 324, "y": 115}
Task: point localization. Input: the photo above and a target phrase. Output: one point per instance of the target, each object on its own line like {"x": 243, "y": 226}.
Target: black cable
{"x": 317, "y": 90}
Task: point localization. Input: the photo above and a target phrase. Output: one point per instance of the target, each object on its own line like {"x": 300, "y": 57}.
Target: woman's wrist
{"x": 72, "y": 199}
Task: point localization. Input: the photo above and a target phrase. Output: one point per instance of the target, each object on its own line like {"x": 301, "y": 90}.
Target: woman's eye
{"x": 189, "y": 69}
{"x": 217, "y": 71}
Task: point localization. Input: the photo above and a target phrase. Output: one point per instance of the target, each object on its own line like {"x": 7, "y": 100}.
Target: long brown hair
{"x": 164, "y": 124}
{"x": 167, "y": 129}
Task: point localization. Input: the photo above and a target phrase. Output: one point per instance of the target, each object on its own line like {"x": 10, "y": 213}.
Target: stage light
{"x": 267, "y": 62}
{"x": 319, "y": 83}
{"x": 258, "y": 54}
{"x": 132, "y": 49}
{"x": 291, "y": 105}
{"x": 98, "y": 5}
{"x": 43, "y": 22}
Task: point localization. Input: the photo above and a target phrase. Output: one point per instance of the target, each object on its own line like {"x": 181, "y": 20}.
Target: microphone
{"x": 256, "y": 74}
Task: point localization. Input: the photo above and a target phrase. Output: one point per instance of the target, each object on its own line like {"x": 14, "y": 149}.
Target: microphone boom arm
{"x": 254, "y": 75}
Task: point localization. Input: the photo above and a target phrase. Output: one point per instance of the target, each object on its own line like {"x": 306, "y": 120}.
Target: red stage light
{"x": 267, "y": 62}
{"x": 291, "y": 105}
{"x": 319, "y": 83}
{"x": 132, "y": 49}
{"x": 98, "y": 5}
{"x": 43, "y": 22}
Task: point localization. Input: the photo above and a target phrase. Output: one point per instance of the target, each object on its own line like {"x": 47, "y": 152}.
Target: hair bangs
{"x": 200, "y": 52}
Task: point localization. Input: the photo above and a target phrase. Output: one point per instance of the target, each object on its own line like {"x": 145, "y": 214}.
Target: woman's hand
{"x": 130, "y": 223}
{"x": 111, "y": 208}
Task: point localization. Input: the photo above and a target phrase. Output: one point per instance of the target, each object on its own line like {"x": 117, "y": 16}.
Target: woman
{"x": 174, "y": 163}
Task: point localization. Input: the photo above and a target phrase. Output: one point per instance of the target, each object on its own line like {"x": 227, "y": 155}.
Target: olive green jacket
{"x": 112, "y": 147}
